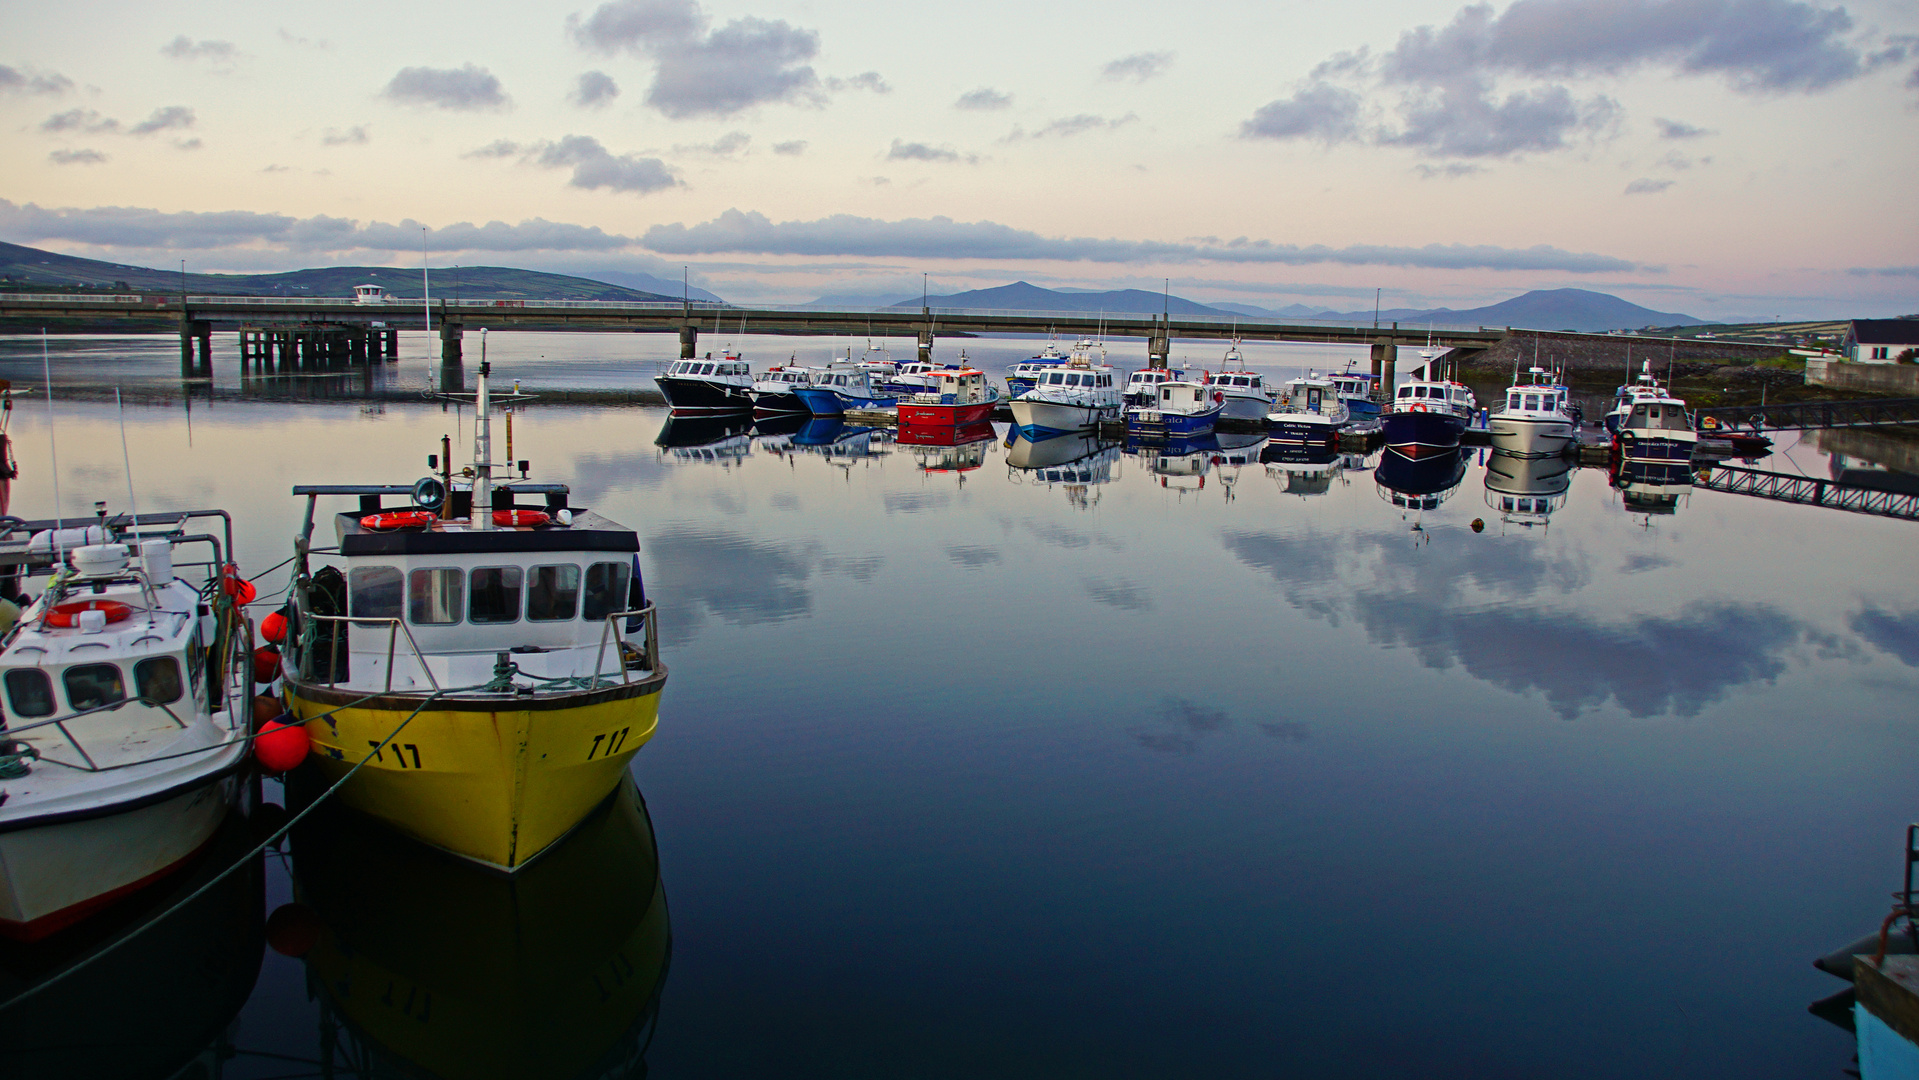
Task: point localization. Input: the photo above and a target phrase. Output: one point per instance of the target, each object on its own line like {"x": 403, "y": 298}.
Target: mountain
{"x": 23, "y": 268}
{"x": 635, "y": 279}
{"x": 1541, "y": 309}
{"x": 1023, "y": 296}
{"x": 1290, "y": 311}
{"x": 858, "y": 301}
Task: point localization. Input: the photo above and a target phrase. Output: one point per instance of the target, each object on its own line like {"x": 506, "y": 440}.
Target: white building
{"x": 1880, "y": 341}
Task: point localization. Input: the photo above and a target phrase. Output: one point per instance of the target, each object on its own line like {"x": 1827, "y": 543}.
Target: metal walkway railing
{"x": 1811, "y": 491}
{"x": 1871, "y": 412}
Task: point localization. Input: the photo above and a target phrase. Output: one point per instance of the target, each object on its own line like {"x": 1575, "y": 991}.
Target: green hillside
{"x": 25, "y": 269}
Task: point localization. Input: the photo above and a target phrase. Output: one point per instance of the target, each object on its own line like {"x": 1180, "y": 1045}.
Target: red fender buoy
{"x": 235, "y": 586}
{"x": 294, "y": 929}
{"x": 266, "y": 707}
{"x": 280, "y": 745}
{"x": 274, "y": 628}
{"x": 266, "y": 664}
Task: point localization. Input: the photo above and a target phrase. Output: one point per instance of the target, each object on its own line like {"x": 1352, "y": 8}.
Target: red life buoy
{"x": 1416, "y": 408}
{"x": 69, "y": 614}
{"x": 398, "y": 519}
{"x": 520, "y": 518}
{"x": 235, "y": 586}
{"x": 1219, "y": 396}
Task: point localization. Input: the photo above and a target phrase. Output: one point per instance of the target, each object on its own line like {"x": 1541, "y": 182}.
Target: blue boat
{"x": 1183, "y": 410}
{"x": 834, "y": 392}
{"x": 1356, "y": 389}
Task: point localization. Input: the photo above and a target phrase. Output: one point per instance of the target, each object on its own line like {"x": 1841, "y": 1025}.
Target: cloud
{"x": 170, "y": 118}
{"x": 636, "y": 26}
{"x": 972, "y": 556}
{"x": 915, "y": 151}
{"x": 1464, "y": 121}
{"x": 1895, "y": 634}
{"x": 1069, "y": 126}
{"x": 139, "y": 227}
{"x": 1321, "y": 111}
{"x": 594, "y": 90}
{"x": 184, "y": 48}
{"x": 745, "y": 63}
{"x": 1114, "y": 592}
{"x": 1450, "y": 170}
{"x": 594, "y": 166}
{"x": 1758, "y": 46}
{"x": 80, "y": 120}
{"x": 290, "y": 38}
{"x": 736, "y": 231}
{"x": 1183, "y": 724}
{"x": 15, "y": 81}
{"x": 792, "y": 147}
{"x": 865, "y": 80}
{"x": 353, "y": 136}
{"x": 700, "y": 574}
{"x": 725, "y": 146}
{"x": 1646, "y": 185}
{"x": 498, "y": 148}
{"x": 77, "y": 157}
{"x": 984, "y": 99}
{"x": 1138, "y": 67}
{"x": 465, "y": 89}
{"x": 1674, "y": 129}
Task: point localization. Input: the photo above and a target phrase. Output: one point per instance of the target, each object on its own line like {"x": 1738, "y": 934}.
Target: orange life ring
{"x": 69, "y": 614}
{"x": 398, "y": 519}
{"x": 519, "y": 518}
{"x": 1416, "y": 408}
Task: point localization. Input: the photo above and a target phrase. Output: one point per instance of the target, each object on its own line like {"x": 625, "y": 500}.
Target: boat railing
{"x": 615, "y": 631}
{"x": 395, "y": 628}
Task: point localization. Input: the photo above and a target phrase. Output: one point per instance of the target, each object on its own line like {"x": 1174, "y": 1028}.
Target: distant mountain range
{"x": 1022, "y": 296}
{"x": 25, "y": 267}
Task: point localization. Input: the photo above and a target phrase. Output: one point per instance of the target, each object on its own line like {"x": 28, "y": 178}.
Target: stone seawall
{"x": 1897, "y": 380}
{"x": 1593, "y": 353}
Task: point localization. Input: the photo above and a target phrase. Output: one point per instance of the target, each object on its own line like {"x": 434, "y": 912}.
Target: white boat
{"x": 1650, "y": 425}
{"x": 772, "y": 389}
{"x": 1183, "y": 410}
{"x": 1024, "y": 375}
{"x": 1309, "y": 412}
{"x": 1247, "y": 397}
{"x": 1067, "y": 398}
{"x": 1537, "y": 420}
{"x": 1526, "y": 491}
{"x": 1142, "y": 387}
{"x": 128, "y": 699}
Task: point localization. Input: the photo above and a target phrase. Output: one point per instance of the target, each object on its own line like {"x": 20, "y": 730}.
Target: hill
{"x": 24, "y": 268}
{"x": 1023, "y": 296}
{"x": 1541, "y": 309}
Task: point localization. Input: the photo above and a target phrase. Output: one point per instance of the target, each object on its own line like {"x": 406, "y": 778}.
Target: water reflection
{"x": 1078, "y": 463}
{"x": 1178, "y": 465}
{"x": 710, "y": 440}
{"x": 430, "y": 966}
{"x": 953, "y": 451}
{"x": 169, "y": 992}
{"x": 1526, "y": 490}
{"x": 1419, "y": 483}
{"x": 1652, "y": 488}
{"x": 1303, "y": 470}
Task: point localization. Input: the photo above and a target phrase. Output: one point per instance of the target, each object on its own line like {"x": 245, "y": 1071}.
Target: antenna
{"x": 126, "y": 459}
{"x": 426, "y": 291}
{"x": 53, "y": 451}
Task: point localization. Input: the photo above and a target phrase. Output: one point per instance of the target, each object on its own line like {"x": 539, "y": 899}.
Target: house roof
{"x": 1886, "y": 331}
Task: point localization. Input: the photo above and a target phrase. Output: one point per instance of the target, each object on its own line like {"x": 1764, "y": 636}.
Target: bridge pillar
{"x": 689, "y": 341}
{"x": 392, "y": 342}
{"x": 926, "y": 346}
{"x": 449, "y": 342}
{"x": 1386, "y": 362}
{"x": 1158, "y": 348}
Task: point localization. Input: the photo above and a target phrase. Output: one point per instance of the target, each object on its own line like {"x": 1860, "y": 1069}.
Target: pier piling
{"x": 449, "y": 342}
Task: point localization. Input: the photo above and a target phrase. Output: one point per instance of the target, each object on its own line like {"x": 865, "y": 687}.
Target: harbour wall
{"x": 1589, "y": 353}
{"x": 1895, "y": 380}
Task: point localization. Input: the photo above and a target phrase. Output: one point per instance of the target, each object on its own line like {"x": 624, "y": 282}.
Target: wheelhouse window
{"x": 29, "y": 693}
{"x": 606, "y": 587}
{"x": 373, "y": 592}
{"x": 553, "y": 593}
{"x": 435, "y": 597}
{"x": 91, "y": 686}
{"x": 157, "y": 678}
{"x": 495, "y": 595}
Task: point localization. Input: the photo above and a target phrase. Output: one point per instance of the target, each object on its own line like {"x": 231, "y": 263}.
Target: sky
{"x": 1721, "y": 158}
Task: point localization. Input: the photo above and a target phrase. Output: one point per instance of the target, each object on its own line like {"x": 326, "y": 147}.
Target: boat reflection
{"x": 1235, "y": 450}
{"x": 428, "y": 965}
{"x": 1176, "y": 464}
{"x": 1420, "y": 483}
{"x": 1652, "y": 488}
{"x": 833, "y": 437}
{"x": 957, "y": 450}
{"x": 168, "y": 992}
{"x": 1078, "y": 462}
{"x": 1526, "y": 490}
{"x": 1303, "y": 470}
{"x": 705, "y": 440}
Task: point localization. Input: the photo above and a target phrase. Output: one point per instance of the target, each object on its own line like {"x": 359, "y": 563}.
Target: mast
{"x": 482, "y": 448}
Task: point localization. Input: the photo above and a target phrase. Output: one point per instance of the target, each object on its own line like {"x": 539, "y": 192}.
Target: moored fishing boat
{"x": 1653, "y": 427}
{"x": 1068, "y": 398}
{"x": 772, "y": 390}
{"x": 128, "y": 704}
{"x": 1180, "y": 410}
{"x": 1356, "y": 389}
{"x": 1142, "y": 386}
{"x": 1427, "y": 417}
{"x": 1309, "y": 412}
{"x": 491, "y": 650}
{"x": 1538, "y": 418}
{"x": 1247, "y": 396}
{"x": 709, "y": 385}
{"x": 837, "y": 390}
{"x": 957, "y": 397}
{"x": 1024, "y": 375}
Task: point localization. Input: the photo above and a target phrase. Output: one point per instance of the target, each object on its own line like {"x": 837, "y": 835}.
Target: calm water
{"x": 961, "y": 772}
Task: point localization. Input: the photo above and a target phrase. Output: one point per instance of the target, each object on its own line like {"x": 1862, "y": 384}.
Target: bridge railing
{"x": 1865, "y": 412}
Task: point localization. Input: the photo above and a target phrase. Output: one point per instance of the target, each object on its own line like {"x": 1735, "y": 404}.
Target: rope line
{"x": 270, "y": 841}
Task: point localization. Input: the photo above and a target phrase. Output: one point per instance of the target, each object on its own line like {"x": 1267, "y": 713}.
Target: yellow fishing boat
{"x": 504, "y": 635}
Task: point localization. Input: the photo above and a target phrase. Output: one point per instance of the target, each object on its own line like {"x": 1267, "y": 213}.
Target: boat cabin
{"x": 796, "y": 376}
{"x": 1243, "y": 381}
{"x": 1657, "y": 414}
{"x": 955, "y": 387}
{"x": 1311, "y": 396}
{"x": 1541, "y": 399}
{"x": 708, "y": 367}
{"x": 1453, "y": 396}
{"x": 1185, "y": 397}
{"x": 1076, "y": 378}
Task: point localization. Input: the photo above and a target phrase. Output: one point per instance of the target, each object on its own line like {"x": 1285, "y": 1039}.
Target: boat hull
{"x": 924, "y": 415}
{"x": 1521, "y": 436}
{"x": 782, "y": 402}
{"x": 1248, "y": 407}
{"x": 701, "y": 395}
{"x": 1157, "y": 423}
{"x": 497, "y": 780}
{"x": 1663, "y": 448}
{"x": 1041, "y": 419}
{"x": 55, "y": 874}
{"x": 823, "y": 402}
{"x": 1293, "y": 430}
{"x": 1422, "y": 434}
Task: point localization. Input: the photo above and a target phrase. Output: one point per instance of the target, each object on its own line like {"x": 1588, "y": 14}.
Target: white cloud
{"x": 983, "y": 99}
{"x": 353, "y": 136}
{"x": 1321, "y": 111}
{"x": 594, "y": 90}
{"x": 1647, "y": 186}
{"x": 185, "y": 48}
{"x": 1138, "y": 67}
{"x": 16, "y": 81}
{"x": 792, "y": 147}
{"x": 594, "y": 166}
{"x": 747, "y": 62}
{"x": 467, "y": 88}
{"x": 77, "y": 157}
